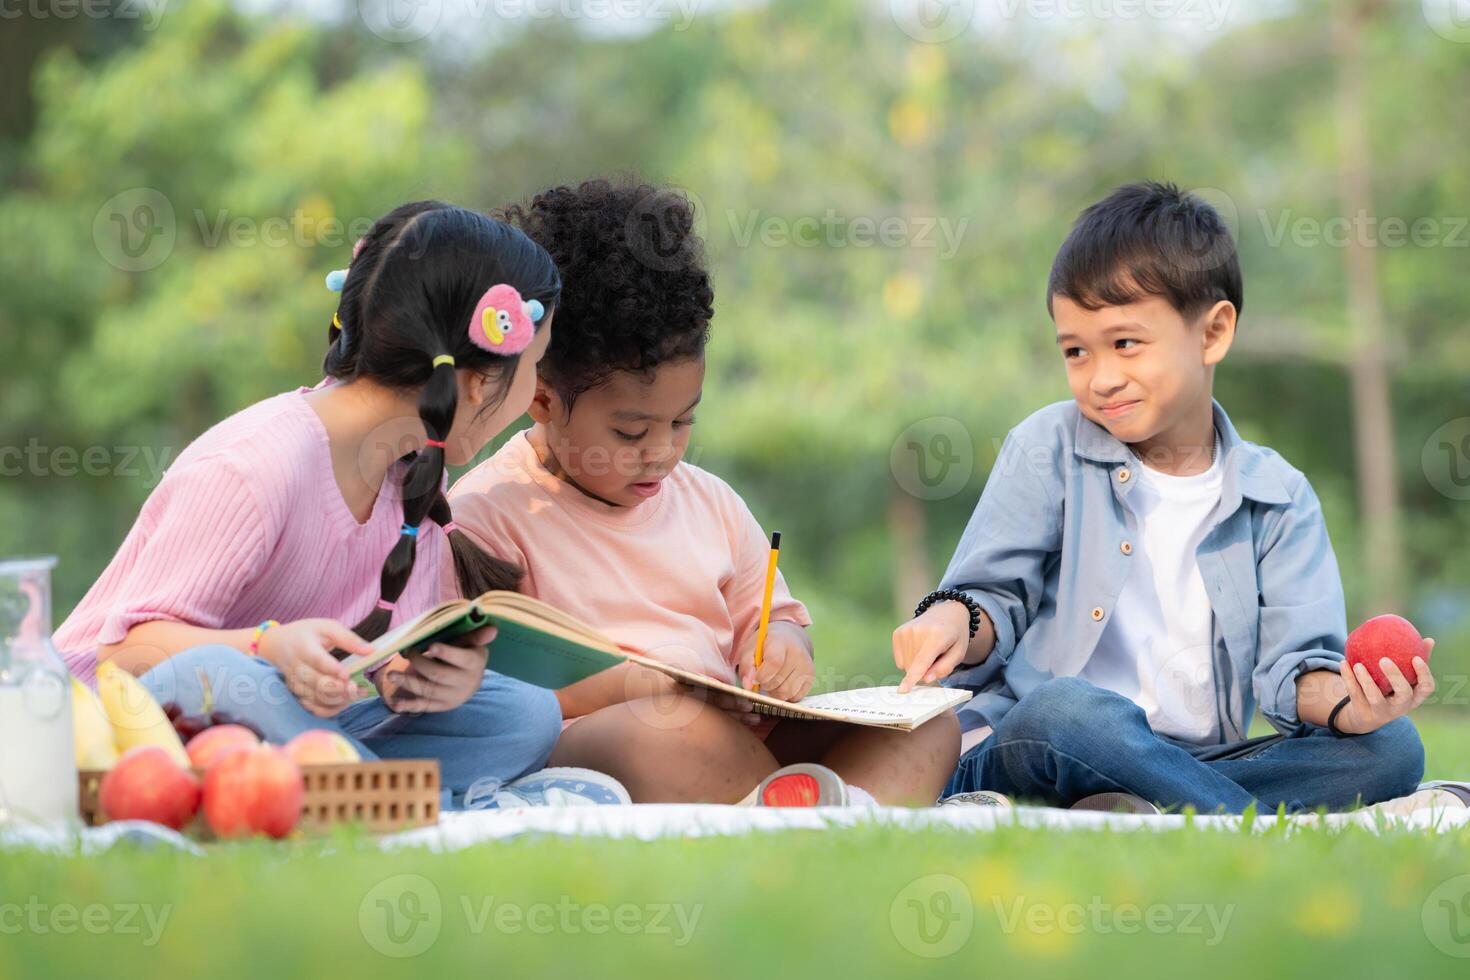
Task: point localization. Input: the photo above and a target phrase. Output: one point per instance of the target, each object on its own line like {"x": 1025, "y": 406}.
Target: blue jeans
{"x": 1068, "y": 739}
{"x": 505, "y": 730}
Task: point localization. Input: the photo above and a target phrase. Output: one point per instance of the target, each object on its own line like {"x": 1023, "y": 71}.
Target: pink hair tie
{"x": 387, "y": 606}
{"x": 451, "y": 527}
{"x": 436, "y": 443}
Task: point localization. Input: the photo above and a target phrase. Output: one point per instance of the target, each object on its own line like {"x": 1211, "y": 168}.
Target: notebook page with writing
{"x": 882, "y": 707}
{"x": 879, "y": 707}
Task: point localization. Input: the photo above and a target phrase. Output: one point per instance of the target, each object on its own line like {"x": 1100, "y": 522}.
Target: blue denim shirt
{"x": 1046, "y": 555}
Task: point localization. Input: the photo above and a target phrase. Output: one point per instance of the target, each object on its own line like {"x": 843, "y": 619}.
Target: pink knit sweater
{"x": 249, "y": 524}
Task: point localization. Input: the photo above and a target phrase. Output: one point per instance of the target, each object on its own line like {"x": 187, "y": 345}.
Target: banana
{"x": 96, "y": 747}
{"x": 136, "y": 718}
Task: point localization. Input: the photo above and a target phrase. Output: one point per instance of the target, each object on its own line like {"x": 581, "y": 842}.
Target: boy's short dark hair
{"x": 635, "y": 290}
{"x": 1148, "y": 239}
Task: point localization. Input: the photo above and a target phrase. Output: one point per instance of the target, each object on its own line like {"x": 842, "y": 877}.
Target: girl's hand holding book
{"x": 301, "y": 651}
{"x": 441, "y": 678}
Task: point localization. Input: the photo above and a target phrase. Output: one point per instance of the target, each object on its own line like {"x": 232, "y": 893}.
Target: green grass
{"x": 1446, "y": 735}
{"x": 859, "y": 903}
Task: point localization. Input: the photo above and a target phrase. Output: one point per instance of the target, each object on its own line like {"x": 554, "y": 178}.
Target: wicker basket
{"x": 380, "y": 796}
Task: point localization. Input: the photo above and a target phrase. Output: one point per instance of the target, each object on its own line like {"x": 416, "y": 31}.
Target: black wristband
{"x": 1332, "y": 718}
{"x": 952, "y": 595}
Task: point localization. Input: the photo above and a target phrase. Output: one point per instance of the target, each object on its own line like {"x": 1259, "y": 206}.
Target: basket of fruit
{"x": 215, "y": 774}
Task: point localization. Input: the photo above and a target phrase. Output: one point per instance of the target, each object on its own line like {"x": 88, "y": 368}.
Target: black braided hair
{"x": 407, "y": 299}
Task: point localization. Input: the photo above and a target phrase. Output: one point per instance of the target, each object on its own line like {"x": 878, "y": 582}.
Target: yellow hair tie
{"x": 444, "y": 359}
{"x": 336, "y": 322}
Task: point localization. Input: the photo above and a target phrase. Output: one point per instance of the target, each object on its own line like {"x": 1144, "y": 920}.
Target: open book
{"x": 541, "y": 645}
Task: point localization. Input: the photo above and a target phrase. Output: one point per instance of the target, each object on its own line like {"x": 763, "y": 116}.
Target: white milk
{"x": 38, "y": 765}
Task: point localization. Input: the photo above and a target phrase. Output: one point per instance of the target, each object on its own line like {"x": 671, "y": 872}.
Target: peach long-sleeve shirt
{"x": 679, "y": 577}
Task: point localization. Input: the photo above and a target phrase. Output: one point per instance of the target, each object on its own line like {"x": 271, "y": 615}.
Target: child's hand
{"x": 931, "y": 646}
{"x": 786, "y": 670}
{"x": 1369, "y": 708}
{"x": 441, "y": 678}
{"x": 301, "y": 651}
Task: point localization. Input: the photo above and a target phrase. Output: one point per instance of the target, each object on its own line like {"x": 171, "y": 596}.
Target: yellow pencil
{"x": 760, "y": 636}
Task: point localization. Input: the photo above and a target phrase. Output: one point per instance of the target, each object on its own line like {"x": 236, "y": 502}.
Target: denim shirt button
{"x": 1124, "y": 475}
{"x": 1097, "y": 613}
{"x": 1126, "y": 547}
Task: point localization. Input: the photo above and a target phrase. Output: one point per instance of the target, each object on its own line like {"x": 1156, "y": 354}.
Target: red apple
{"x": 147, "y": 784}
{"x": 213, "y": 743}
{"x": 1388, "y": 636}
{"x": 321, "y": 746}
{"x": 257, "y": 790}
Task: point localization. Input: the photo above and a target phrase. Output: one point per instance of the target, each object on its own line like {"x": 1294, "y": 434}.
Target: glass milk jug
{"x": 38, "y": 770}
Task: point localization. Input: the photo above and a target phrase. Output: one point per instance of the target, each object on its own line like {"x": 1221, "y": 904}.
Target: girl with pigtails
{"x": 325, "y": 506}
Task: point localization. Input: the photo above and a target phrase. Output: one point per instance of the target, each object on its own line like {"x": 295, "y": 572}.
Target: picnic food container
{"x": 380, "y": 796}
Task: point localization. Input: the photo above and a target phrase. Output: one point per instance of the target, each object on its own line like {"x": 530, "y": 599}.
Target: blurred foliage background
{"x": 882, "y": 186}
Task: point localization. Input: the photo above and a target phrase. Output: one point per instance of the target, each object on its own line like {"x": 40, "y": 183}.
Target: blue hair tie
{"x": 412, "y": 532}
{"x": 535, "y": 310}
{"x": 336, "y": 279}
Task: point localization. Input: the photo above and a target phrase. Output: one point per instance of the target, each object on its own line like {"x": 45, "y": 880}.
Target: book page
{"x": 878, "y": 706}
{"x": 885, "y": 702}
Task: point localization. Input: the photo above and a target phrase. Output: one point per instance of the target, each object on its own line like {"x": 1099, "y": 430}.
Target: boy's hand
{"x": 786, "y": 670}
{"x": 929, "y": 647}
{"x": 441, "y": 678}
{"x": 1369, "y": 708}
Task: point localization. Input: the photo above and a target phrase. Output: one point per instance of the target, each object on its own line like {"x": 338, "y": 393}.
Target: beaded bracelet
{"x": 259, "y": 632}
{"x": 954, "y": 595}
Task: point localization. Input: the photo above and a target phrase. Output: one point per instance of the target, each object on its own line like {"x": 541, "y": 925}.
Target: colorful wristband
{"x": 259, "y": 632}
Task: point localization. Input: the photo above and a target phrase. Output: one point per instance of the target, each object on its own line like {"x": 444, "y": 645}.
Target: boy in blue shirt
{"x": 1136, "y": 578}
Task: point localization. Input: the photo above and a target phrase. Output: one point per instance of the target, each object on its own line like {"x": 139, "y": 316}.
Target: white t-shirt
{"x": 1158, "y": 648}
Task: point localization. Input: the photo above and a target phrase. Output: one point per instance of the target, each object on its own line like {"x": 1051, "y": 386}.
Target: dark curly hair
{"x": 635, "y": 290}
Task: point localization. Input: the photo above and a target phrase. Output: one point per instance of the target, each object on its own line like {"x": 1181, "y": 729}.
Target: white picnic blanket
{"x": 652, "y": 822}
{"x": 648, "y": 822}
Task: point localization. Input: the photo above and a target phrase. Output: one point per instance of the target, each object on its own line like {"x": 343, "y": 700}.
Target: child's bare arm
{"x": 625, "y": 682}
{"x": 300, "y": 650}
{"x": 149, "y": 644}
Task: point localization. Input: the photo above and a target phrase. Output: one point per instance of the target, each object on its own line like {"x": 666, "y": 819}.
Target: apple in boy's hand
{"x": 257, "y": 790}
{"x": 147, "y": 784}
{"x": 1387, "y": 636}
{"x": 321, "y": 746}
{"x": 212, "y": 743}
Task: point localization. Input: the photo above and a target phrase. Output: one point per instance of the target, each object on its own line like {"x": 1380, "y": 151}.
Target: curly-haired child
{"x": 596, "y": 503}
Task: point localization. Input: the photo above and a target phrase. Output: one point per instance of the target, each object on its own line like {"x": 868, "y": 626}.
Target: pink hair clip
{"x": 503, "y": 323}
